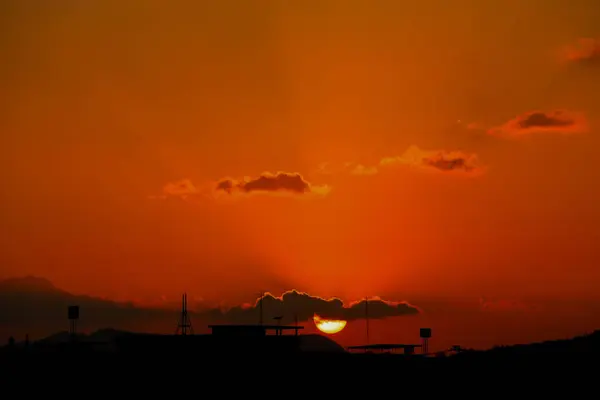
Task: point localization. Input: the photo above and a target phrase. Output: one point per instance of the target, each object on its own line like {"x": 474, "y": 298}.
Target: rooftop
{"x": 256, "y": 326}
{"x": 384, "y": 346}
{"x": 407, "y": 348}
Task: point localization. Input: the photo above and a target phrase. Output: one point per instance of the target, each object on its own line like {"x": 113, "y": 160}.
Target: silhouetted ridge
{"x": 589, "y": 343}
{"x": 319, "y": 343}
{"x": 28, "y": 284}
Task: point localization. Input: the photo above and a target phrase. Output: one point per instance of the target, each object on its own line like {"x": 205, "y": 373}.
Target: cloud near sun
{"x": 292, "y": 304}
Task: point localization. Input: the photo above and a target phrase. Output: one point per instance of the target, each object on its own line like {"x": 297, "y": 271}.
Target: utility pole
{"x": 260, "y": 305}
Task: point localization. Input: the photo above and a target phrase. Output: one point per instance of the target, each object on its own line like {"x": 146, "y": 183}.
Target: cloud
{"x": 585, "y": 50}
{"x": 292, "y": 304}
{"x": 280, "y": 182}
{"x": 432, "y": 160}
{"x": 535, "y": 122}
{"x": 436, "y": 160}
{"x": 183, "y": 189}
{"x": 293, "y": 183}
{"x": 359, "y": 169}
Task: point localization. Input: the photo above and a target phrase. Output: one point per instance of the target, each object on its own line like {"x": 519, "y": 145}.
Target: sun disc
{"x": 329, "y": 326}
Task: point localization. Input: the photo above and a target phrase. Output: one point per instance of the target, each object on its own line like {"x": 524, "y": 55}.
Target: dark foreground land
{"x": 542, "y": 367}
{"x": 316, "y": 375}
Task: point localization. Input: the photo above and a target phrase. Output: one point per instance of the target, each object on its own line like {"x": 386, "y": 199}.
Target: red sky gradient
{"x": 437, "y": 150}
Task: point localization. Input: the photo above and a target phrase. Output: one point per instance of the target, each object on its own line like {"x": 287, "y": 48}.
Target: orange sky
{"x": 104, "y": 104}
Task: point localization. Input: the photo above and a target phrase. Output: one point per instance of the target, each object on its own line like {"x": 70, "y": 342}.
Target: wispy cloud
{"x": 360, "y": 169}
{"x": 539, "y": 122}
{"x": 446, "y": 161}
{"x": 443, "y": 161}
{"x": 183, "y": 189}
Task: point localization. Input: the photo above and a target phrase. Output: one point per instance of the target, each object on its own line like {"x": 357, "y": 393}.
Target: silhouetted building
{"x": 407, "y": 349}
{"x": 207, "y": 344}
{"x": 224, "y": 340}
{"x": 252, "y": 330}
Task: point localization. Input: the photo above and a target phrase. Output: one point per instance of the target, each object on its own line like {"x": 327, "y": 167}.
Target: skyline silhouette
{"x": 394, "y": 166}
{"x": 36, "y": 307}
{"x": 252, "y": 341}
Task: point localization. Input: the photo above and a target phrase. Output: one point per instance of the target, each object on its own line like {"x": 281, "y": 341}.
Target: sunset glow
{"x": 430, "y": 153}
{"x": 329, "y": 326}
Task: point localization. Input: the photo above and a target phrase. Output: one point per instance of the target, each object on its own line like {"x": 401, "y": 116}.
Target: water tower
{"x": 73, "y": 314}
{"x": 425, "y": 334}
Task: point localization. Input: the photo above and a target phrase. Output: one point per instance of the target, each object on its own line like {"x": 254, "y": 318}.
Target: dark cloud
{"x": 557, "y": 121}
{"x": 226, "y": 185}
{"x": 432, "y": 160}
{"x": 439, "y": 160}
{"x": 281, "y": 182}
{"x": 304, "y": 306}
{"x": 543, "y": 120}
{"x": 448, "y": 164}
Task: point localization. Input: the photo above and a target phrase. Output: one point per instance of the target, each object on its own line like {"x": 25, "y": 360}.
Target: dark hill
{"x": 28, "y": 284}
{"x": 34, "y": 306}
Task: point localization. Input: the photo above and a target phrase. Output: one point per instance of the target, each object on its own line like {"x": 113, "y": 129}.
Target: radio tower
{"x": 185, "y": 324}
{"x": 260, "y": 317}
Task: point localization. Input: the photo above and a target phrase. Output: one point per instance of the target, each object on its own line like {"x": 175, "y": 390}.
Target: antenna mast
{"x": 296, "y": 322}
{"x": 185, "y": 324}
{"x": 260, "y": 305}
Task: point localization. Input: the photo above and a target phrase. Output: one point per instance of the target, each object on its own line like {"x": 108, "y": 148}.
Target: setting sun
{"x": 329, "y": 326}
{"x": 369, "y": 163}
